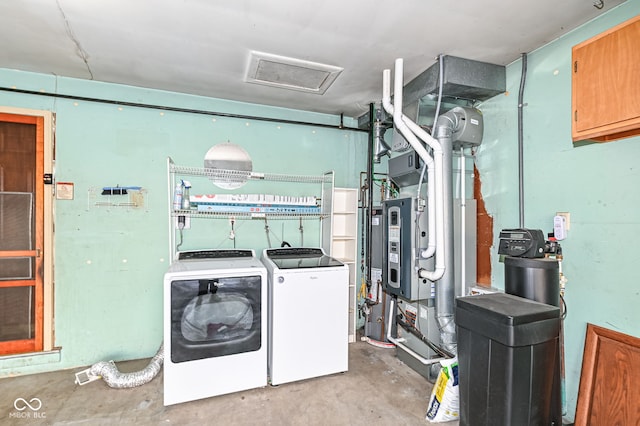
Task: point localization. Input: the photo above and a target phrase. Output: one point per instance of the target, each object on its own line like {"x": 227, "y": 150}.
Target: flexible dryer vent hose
{"x": 108, "y": 371}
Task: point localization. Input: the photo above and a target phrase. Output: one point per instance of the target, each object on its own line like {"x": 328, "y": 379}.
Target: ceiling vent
{"x": 290, "y": 73}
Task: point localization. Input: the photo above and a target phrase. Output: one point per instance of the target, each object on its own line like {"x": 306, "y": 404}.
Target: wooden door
{"x": 21, "y": 233}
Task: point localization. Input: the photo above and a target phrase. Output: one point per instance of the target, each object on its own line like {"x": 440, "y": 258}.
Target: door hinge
{"x": 575, "y": 66}
{"x": 575, "y": 116}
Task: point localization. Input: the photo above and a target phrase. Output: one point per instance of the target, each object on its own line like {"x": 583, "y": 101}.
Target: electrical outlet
{"x": 187, "y": 222}
{"x": 567, "y": 219}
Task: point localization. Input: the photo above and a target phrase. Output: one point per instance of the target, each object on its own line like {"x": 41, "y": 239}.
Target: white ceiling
{"x": 203, "y": 46}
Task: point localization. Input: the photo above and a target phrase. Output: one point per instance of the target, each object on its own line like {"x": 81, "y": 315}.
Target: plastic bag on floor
{"x": 444, "y": 404}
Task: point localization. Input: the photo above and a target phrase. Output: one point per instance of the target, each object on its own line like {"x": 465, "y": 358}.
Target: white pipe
{"x": 396, "y": 111}
{"x": 437, "y": 176}
{"x": 426, "y": 158}
{"x": 410, "y": 130}
{"x": 431, "y": 206}
{"x": 431, "y": 243}
{"x": 463, "y": 222}
{"x": 399, "y": 342}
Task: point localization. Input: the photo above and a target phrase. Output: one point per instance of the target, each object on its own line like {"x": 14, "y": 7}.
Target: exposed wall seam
{"x": 183, "y": 110}
{"x": 79, "y": 50}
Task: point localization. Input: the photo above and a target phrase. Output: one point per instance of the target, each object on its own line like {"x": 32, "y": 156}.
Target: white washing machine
{"x": 215, "y": 318}
{"x": 308, "y": 314}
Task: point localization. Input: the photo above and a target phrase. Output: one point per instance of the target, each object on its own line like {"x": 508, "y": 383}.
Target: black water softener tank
{"x": 534, "y": 279}
{"x": 538, "y": 279}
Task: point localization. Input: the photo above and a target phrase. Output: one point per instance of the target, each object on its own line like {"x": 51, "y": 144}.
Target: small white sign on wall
{"x": 64, "y": 190}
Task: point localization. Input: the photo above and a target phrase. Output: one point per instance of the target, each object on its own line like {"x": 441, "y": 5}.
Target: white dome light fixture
{"x": 228, "y": 156}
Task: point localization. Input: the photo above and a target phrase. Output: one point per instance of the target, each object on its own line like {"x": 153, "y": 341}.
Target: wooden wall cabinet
{"x": 606, "y": 84}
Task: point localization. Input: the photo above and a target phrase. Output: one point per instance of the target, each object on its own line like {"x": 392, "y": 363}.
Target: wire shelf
{"x": 248, "y": 215}
{"x": 224, "y": 175}
{"x": 320, "y": 185}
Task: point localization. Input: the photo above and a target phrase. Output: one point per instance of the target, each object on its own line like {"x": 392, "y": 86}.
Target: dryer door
{"x": 212, "y": 317}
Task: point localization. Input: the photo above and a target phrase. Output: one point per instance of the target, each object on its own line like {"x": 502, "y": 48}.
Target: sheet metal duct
{"x": 464, "y": 83}
{"x": 405, "y": 169}
{"x": 462, "y": 78}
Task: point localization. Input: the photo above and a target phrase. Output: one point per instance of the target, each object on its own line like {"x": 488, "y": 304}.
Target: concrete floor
{"x": 378, "y": 389}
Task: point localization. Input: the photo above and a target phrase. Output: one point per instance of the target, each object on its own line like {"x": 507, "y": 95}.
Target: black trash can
{"x": 507, "y": 355}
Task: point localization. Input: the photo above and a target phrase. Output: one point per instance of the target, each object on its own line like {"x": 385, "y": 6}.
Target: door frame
{"x": 45, "y": 129}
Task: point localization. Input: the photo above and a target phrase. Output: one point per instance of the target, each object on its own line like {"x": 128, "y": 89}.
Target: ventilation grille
{"x": 290, "y": 73}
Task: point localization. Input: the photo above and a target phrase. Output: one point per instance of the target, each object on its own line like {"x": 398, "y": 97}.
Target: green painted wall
{"x": 107, "y": 308}
{"x": 109, "y": 263}
{"x": 597, "y": 184}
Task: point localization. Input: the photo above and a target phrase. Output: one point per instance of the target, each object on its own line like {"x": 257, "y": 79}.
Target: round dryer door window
{"x": 220, "y": 317}
{"x": 212, "y": 317}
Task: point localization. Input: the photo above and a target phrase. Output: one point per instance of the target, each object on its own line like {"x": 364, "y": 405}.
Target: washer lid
{"x": 301, "y": 257}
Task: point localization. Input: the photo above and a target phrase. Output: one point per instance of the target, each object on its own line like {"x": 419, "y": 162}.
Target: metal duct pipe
{"x": 463, "y": 222}
{"x": 442, "y": 149}
{"x": 108, "y": 371}
{"x": 445, "y": 290}
{"x": 380, "y": 146}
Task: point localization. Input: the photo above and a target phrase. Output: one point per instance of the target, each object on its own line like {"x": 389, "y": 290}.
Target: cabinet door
{"x": 606, "y": 93}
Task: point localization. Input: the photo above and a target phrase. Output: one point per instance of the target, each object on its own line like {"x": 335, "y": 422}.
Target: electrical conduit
{"x": 463, "y": 222}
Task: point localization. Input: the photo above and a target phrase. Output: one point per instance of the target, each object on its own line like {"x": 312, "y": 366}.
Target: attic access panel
{"x": 290, "y": 73}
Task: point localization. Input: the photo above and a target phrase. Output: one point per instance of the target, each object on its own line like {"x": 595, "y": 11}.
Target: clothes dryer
{"x": 215, "y": 338}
